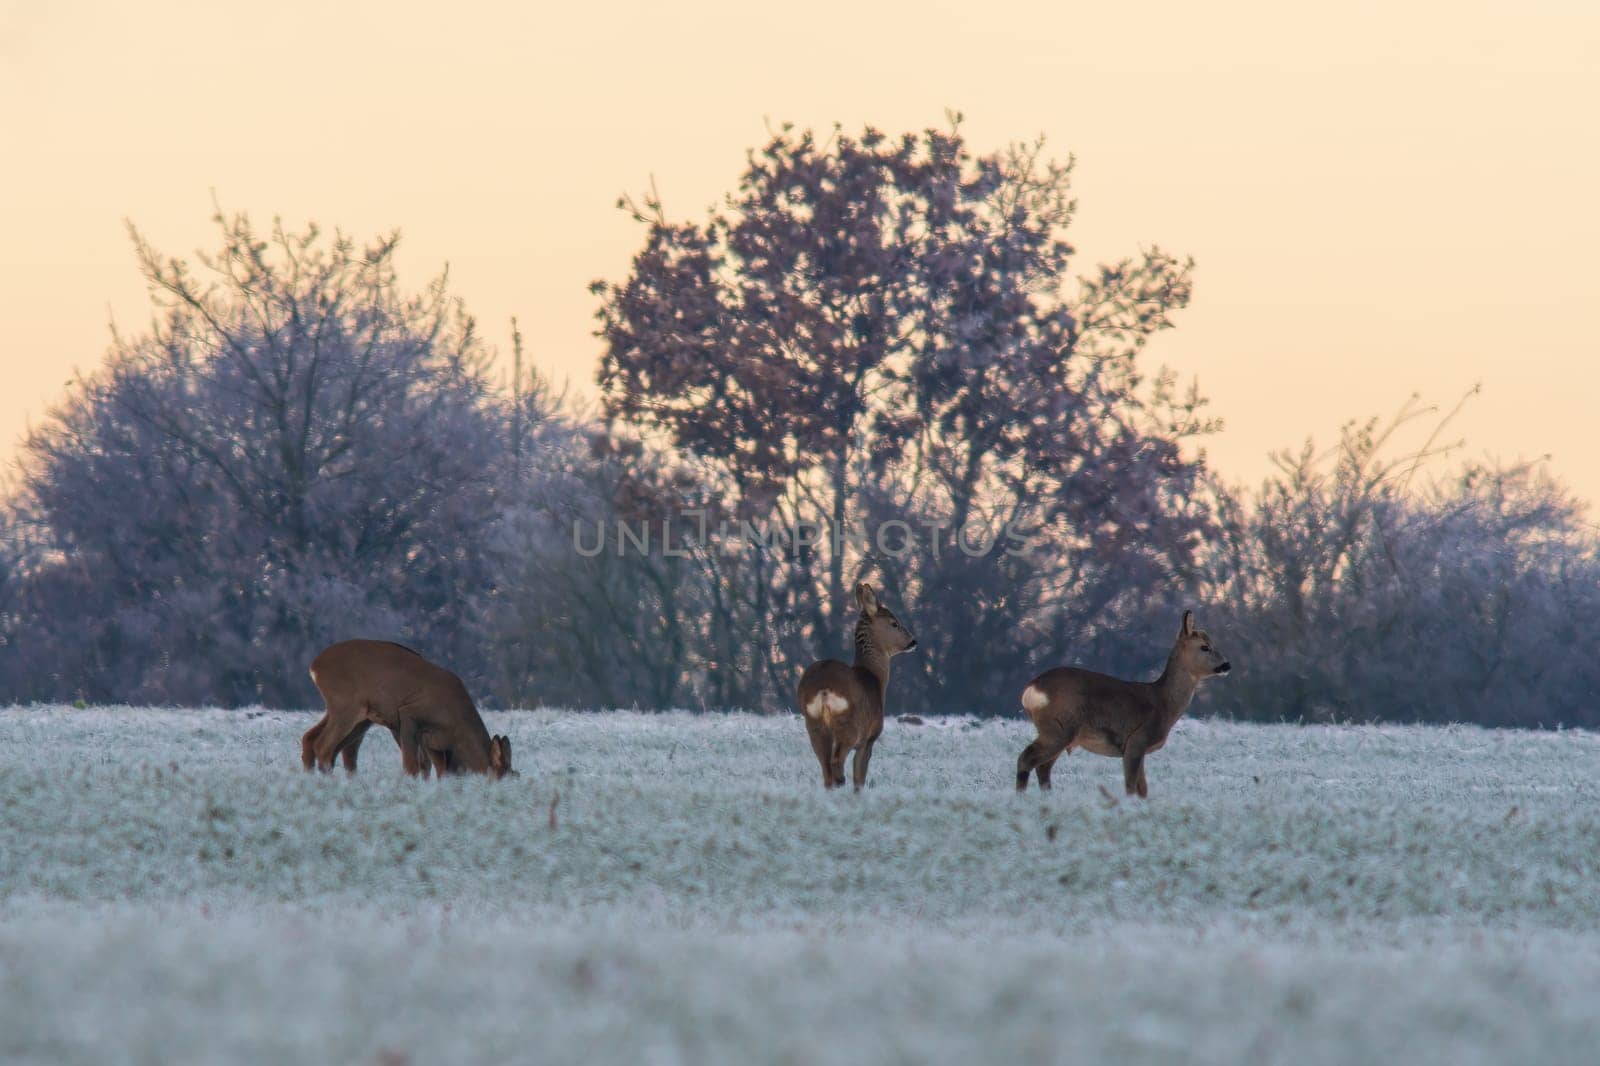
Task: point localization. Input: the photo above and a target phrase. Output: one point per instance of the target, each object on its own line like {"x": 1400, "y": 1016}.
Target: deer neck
{"x": 1174, "y": 689}
{"x": 470, "y": 743}
{"x": 870, "y": 657}
{"x": 479, "y": 746}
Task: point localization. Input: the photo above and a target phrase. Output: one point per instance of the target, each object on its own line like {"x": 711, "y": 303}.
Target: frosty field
{"x": 679, "y": 889}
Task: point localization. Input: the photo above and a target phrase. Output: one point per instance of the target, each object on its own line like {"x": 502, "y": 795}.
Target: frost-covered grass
{"x": 679, "y": 888}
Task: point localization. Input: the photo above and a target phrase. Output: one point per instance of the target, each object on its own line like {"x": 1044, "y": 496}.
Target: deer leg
{"x": 308, "y": 742}
{"x": 822, "y": 745}
{"x": 333, "y": 735}
{"x": 351, "y": 745}
{"x": 425, "y": 760}
{"x": 836, "y": 764}
{"x": 858, "y": 765}
{"x": 1133, "y": 766}
{"x": 424, "y": 756}
{"x": 406, "y": 734}
{"x": 440, "y": 761}
{"x": 1031, "y": 757}
{"x": 1043, "y": 770}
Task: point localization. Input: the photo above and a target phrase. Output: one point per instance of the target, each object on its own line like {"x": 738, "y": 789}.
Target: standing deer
{"x": 426, "y": 707}
{"x": 1073, "y": 708}
{"x": 843, "y": 705}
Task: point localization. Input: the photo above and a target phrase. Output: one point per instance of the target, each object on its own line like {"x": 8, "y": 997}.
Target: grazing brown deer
{"x": 1073, "y": 708}
{"x": 843, "y": 705}
{"x": 426, "y": 707}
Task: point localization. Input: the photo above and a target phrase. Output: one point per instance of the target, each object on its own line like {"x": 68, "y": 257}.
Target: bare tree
{"x": 296, "y": 450}
{"x": 883, "y": 327}
{"x": 1366, "y": 583}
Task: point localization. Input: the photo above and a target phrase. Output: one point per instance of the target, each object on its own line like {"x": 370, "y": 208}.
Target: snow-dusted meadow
{"x": 679, "y": 889}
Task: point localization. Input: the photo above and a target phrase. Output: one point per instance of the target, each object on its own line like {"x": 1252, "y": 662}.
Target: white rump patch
{"x": 1034, "y": 699}
{"x": 824, "y": 702}
{"x": 313, "y": 674}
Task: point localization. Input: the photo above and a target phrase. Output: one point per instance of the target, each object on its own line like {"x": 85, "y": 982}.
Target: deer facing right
{"x": 425, "y": 706}
{"x": 1073, "y": 708}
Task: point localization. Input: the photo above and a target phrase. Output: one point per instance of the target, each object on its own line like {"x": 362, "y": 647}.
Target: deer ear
{"x": 1188, "y": 625}
{"x": 866, "y": 598}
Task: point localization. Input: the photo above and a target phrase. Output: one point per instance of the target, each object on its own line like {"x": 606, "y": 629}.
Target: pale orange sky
{"x": 1382, "y": 197}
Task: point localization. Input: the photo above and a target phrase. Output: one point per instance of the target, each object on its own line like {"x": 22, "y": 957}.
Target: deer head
{"x": 1195, "y": 654}
{"x": 500, "y": 757}
{"x": 879, "y": 624}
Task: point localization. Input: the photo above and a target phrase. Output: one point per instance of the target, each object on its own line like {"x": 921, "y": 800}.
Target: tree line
{"x": 880, "y": 341}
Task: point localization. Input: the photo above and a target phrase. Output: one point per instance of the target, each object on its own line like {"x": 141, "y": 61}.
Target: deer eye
{"x": 1205, "y": 647}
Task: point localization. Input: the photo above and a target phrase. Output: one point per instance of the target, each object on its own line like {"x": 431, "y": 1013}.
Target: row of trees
{"x": 872, "y": 331}
{"x": 1358, "y": 589}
